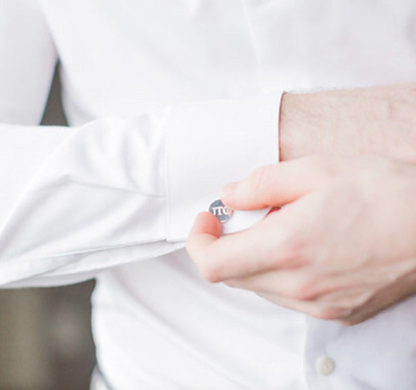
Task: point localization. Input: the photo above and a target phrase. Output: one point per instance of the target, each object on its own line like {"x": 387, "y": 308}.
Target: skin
{"x": 380, "y": 120}
{"x": 342, "y": 246}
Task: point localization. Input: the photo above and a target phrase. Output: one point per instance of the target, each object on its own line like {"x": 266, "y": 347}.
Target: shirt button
{"x": 325, "y": 365}
{"x": 222, "y": 212}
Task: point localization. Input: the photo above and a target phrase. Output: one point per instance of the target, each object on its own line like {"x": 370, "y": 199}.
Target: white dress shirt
{"x": 168, "y": 100}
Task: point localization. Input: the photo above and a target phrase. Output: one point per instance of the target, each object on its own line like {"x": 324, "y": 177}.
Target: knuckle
{"x": 301, "y": 288}
{"x": 328, "y": 314}
{"x": 340, "y": 314}
{"x": 259, "y": 178}
{"x": 345, "y": 323}
{"x": 362, "y": 299}
{"x": 305, "y": 291}
{"x": 232, "y": 283}
{"x": 210, "y": 272}
{"x": 349, "y": 322}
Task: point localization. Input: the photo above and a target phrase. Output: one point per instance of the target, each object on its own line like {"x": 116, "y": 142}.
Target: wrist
{"x": 299, "y": 130}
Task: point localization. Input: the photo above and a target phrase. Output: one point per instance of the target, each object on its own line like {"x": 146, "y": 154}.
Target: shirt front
{"x": 167, "y": 102}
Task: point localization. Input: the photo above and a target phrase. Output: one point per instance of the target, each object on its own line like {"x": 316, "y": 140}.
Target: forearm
{"x": 379, "y": 120}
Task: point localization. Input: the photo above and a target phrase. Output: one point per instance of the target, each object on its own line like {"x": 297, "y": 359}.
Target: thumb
{"x": 205, "y": 231}
{"x": 278, "y": 184}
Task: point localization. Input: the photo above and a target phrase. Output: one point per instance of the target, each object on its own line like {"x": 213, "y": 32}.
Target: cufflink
{"x": 219, "y": 210}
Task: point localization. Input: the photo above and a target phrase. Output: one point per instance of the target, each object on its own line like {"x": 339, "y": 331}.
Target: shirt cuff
{"x": 210, "y": 144}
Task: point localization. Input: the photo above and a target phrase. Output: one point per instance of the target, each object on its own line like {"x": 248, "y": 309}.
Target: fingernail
{"x": 229, "y": 190}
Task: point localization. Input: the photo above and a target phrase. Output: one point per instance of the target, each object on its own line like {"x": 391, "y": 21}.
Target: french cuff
{"x": 210, "y": 144}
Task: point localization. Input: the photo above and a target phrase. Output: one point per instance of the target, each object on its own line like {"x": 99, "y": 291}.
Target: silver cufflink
{"x": 219, "y": 210}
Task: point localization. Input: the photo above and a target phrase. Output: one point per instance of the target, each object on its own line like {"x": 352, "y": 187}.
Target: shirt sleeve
{"x": 75, "y": 201}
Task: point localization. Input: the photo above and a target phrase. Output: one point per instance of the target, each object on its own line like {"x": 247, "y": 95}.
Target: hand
{"x": 342, "y": 248}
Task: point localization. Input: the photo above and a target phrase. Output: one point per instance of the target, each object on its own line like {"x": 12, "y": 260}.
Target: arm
{"x": 379, "y": 120}
{"x": 120, "y": 190}
{"x": 114, "y": 190}
{"x": 78, "y": 200}
{"x": 172, "y": 157}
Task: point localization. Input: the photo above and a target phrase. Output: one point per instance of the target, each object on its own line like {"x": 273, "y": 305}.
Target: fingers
{"x": 259, "y": 248}
{"x": 279, "y": 184}
{"x": 205, "y": 231}
{"x": 207, "y": 224}
{"x": 320, "y": 311}
{"x": 236, "y": 255}
{"x": 295, "y": 283}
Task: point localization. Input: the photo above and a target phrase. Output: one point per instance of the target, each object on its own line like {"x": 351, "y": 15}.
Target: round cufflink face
{"x": 219, "y": 210}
